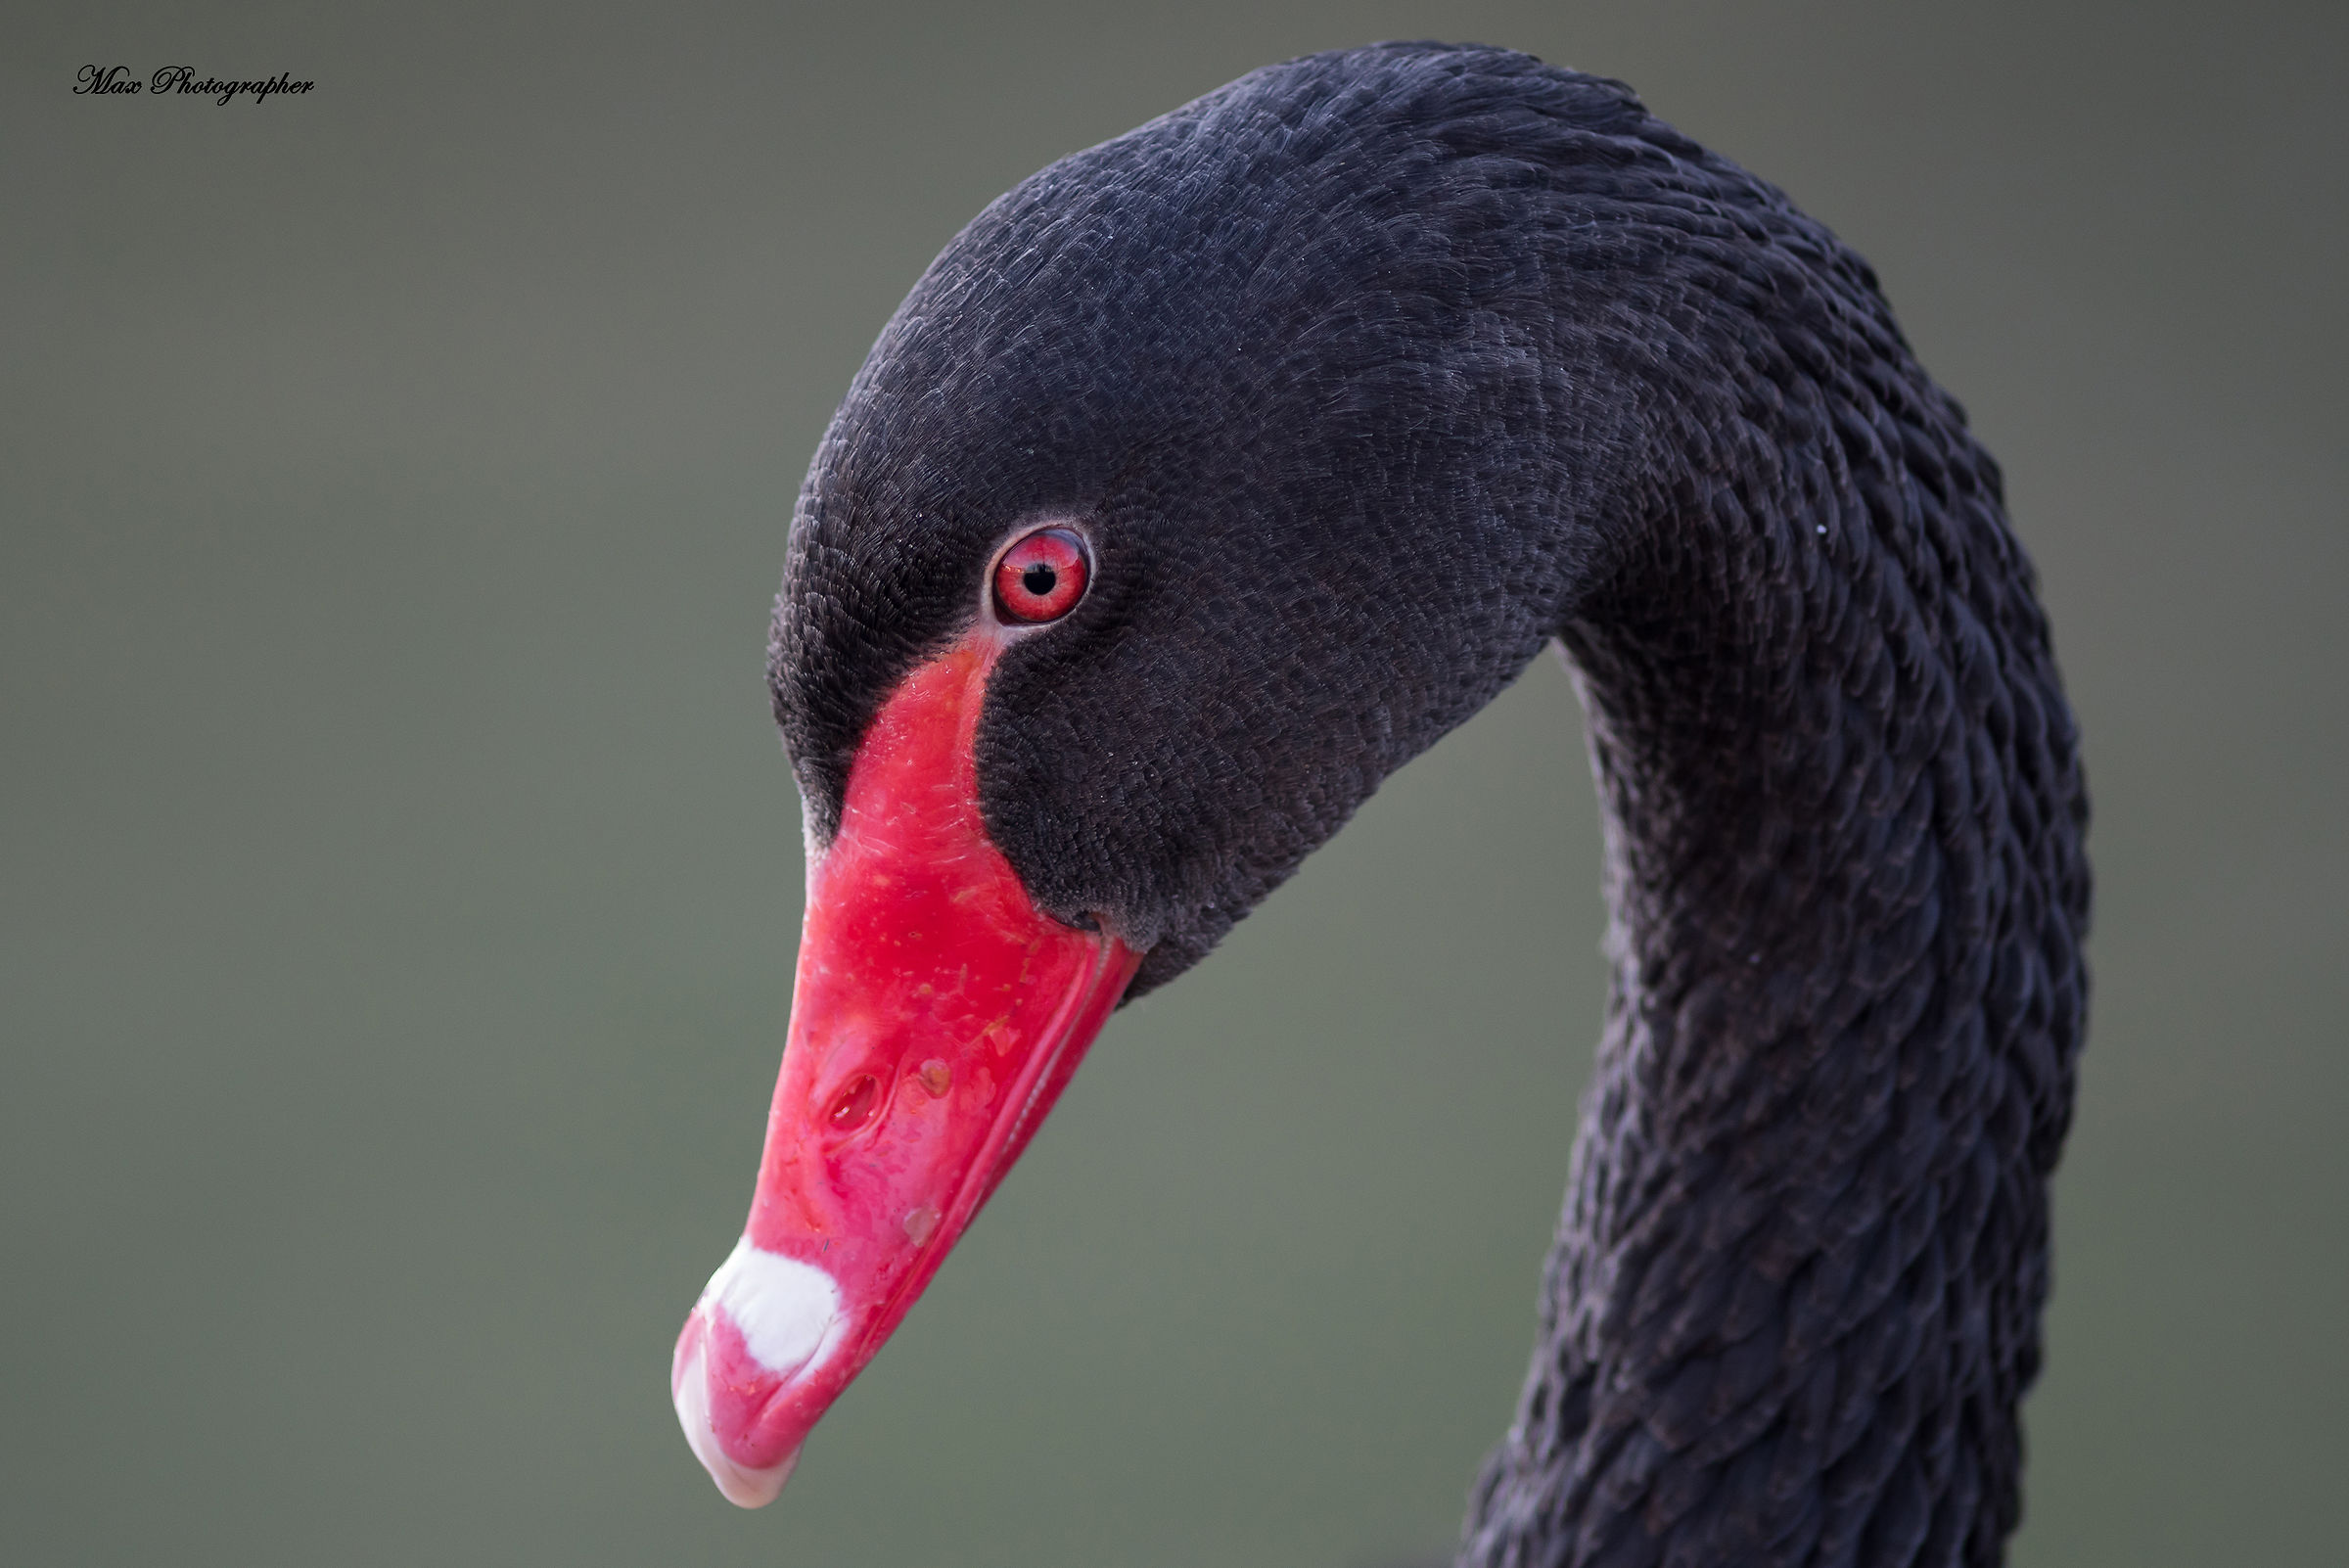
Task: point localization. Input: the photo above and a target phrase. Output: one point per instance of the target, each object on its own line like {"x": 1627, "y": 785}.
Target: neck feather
{"x": 1794, "y": 1299}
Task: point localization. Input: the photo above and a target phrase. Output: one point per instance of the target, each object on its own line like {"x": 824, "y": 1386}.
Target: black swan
{"x": 1213, "y": 473}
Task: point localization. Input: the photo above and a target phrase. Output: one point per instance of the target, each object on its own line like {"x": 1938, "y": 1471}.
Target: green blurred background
{"x": 400, "y": 872}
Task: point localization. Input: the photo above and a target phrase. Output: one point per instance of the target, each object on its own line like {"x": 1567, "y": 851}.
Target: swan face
{"x": 1276, "y": 370}
{"x": 1286, "y": 360}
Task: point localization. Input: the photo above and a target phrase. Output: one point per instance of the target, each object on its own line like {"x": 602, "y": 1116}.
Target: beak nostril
{"x": 853, "y": 1106}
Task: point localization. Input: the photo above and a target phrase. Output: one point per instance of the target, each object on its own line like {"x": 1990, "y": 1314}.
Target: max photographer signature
{"x": 98, "y": 80}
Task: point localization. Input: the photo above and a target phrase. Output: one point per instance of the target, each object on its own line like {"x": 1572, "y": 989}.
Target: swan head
{"x": 1206, "y": 479}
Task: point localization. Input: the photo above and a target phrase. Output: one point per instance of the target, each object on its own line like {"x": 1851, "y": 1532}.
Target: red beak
{"x": 936, "y": 1015}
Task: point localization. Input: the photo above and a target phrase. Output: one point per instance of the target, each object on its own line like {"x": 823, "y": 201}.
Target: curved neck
{"x": 1794, "y": 1300}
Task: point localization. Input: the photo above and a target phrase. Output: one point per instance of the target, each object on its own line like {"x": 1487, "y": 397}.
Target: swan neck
{"x": 1794, "y": 1300}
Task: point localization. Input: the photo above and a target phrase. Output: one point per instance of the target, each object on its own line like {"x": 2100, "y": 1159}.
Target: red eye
{"x": 1041, "y": 577}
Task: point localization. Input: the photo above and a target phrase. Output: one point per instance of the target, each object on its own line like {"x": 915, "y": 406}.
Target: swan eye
{"x": 1041, "y": 576}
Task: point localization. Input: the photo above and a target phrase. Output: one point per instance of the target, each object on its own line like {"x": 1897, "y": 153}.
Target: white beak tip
{"x": 740, "y": 1484}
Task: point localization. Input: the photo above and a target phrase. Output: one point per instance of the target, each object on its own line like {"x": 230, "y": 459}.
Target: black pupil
{"x": 1039, "y": 580}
